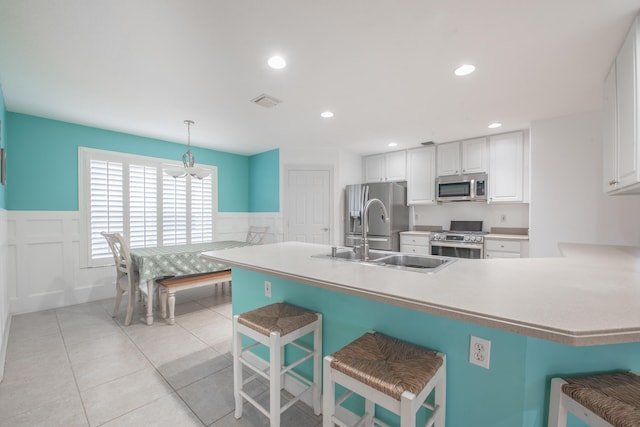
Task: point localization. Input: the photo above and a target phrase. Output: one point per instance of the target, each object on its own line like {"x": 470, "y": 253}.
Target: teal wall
{"x": 47, "y": 154}
{"x": 3, "y": 143}
{"x": 264, "y": 173}
{"x": 514, "y": 392}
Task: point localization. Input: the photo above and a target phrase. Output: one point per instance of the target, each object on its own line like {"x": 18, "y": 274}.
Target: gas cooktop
{"x": 462, "y": 232}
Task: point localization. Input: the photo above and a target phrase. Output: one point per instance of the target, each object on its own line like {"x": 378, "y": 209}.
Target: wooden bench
{"x": 170, "y": 285}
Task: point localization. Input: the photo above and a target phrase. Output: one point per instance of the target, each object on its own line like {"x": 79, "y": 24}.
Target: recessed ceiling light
{"x": 327, "y": 114}
{"x": 393, "y": 144}
{"x": 464, "y": 70}
{"x": 277, "y": 62}
{"x": 494, "y": 125}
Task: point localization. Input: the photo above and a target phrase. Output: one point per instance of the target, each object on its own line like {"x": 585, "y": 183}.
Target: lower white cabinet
{"x": 505, "y": 248}
{"x": 414, "y": 243}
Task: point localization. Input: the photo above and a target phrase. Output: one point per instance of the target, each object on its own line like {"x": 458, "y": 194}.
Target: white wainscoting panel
{"x": 43, "y": 259}
{"x": 44, "y": 263}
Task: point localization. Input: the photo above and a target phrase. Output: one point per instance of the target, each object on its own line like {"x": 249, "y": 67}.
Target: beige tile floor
{"x": 77, "y": 366}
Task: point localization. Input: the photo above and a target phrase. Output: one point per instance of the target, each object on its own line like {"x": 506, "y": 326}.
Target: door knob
{"x": 325, "y": 229}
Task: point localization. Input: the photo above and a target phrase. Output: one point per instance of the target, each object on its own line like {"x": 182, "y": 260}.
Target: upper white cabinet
{"x": 621, "y": 154}
{"x": 455, "y": 158}
{"x": 448, "y": 159}
{"x": 386, "y": 167}
{"x": 507, "y": 168}
{"x": 421, "y": 175}
{"x": 474, "y": 155}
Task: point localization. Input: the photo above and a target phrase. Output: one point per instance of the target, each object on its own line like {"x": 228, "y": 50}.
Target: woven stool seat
{"x": 388, "y": 373}
{"x": 614, "y": 397}
{"x": 387, "y": 364}
{"x": 279, "y": 317}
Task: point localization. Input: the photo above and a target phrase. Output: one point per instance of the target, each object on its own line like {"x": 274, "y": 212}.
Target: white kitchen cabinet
{"x": 474, "y": 155}
{"x": 448, "y": 159}
{"x": 385, "y": 167}
{"x": 415, "y": 243}
{"x": 621, "y": 145}
{"x": 421, "y": 176}
{"x": 495, "y": 248}
{"x": 456, "y": 158}
{"x": 506, "y": 168}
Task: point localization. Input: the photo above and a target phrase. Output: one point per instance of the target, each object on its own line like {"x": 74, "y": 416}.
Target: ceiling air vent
{"x": 266, "y": 101}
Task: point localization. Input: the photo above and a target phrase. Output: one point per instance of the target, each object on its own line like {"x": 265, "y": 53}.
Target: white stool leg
{"x": 369, "y": 412}
{"x": 237, "y": 368}
{"x": 557, "y": 410}
{"x": 440, "y": 401}
{"x": 275, "y": 369}
{"x": 317, "y": 366}
{"x": 407, "y": 416}
{"x": 328, "y": 395}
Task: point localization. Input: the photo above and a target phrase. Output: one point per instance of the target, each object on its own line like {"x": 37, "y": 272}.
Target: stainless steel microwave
{"x": 462, "y": 188}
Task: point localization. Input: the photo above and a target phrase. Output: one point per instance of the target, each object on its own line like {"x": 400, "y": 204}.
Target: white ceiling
{"x": 385, "y": 68}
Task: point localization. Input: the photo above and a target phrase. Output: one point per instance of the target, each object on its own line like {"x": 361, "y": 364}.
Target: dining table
{"x": 152, "y": 263}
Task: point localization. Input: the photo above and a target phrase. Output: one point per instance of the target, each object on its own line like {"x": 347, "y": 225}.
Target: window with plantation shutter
{"x": 133, "y": 196}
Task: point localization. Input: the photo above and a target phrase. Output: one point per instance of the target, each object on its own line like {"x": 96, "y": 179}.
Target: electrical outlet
{"x": 503, "y": 218}
{"x": 479, "y": 351}
{"x": 267, "y": 288}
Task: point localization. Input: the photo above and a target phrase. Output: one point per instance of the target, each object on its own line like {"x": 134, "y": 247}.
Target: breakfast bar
{"x": 543, "y": 316}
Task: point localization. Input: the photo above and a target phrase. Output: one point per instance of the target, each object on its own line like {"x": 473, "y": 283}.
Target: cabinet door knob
{"x": 613, "y": 182}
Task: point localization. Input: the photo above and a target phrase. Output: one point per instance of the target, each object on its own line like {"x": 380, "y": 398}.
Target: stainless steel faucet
{"x": 364, "y": 246}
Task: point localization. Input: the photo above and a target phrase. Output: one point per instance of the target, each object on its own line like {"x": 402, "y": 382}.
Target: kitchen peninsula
{"x": 543, "y": 316}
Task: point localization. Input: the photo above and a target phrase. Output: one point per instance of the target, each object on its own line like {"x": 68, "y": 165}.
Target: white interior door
{"x": 309, "y": 205}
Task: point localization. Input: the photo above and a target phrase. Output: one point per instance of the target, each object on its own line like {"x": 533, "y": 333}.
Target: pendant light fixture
{"x": 188, "y": 161}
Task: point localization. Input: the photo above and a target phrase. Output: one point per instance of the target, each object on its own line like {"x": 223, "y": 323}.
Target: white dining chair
{"x": 256, "y": 234}
{"x": 126, "y": 281}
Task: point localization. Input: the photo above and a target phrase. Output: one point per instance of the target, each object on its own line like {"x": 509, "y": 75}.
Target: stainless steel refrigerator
{"x": 382, "y": 235}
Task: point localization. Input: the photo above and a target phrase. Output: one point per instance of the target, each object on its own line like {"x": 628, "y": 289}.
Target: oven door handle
{"x": 445, "y": 244}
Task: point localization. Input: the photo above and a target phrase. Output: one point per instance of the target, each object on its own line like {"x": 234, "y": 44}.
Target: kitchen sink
{"x": 414, "y": 262}
{"x": 400, "y": 261}
{"x": 350, "y": 255}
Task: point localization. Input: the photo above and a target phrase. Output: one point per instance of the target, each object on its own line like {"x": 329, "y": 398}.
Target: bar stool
{"x": 276, "y": 326}
{"x": 387, "y": 372}
{"x": 611, "y": 399}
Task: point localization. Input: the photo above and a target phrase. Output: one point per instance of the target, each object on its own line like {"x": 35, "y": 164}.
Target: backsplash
{"x": 492, "y": 215}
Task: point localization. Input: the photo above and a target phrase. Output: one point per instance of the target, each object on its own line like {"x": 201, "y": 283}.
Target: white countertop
{"x": 591, "y": 297}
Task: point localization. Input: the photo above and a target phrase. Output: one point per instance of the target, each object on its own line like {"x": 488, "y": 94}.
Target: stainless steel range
{"x": 465, "y": 239}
